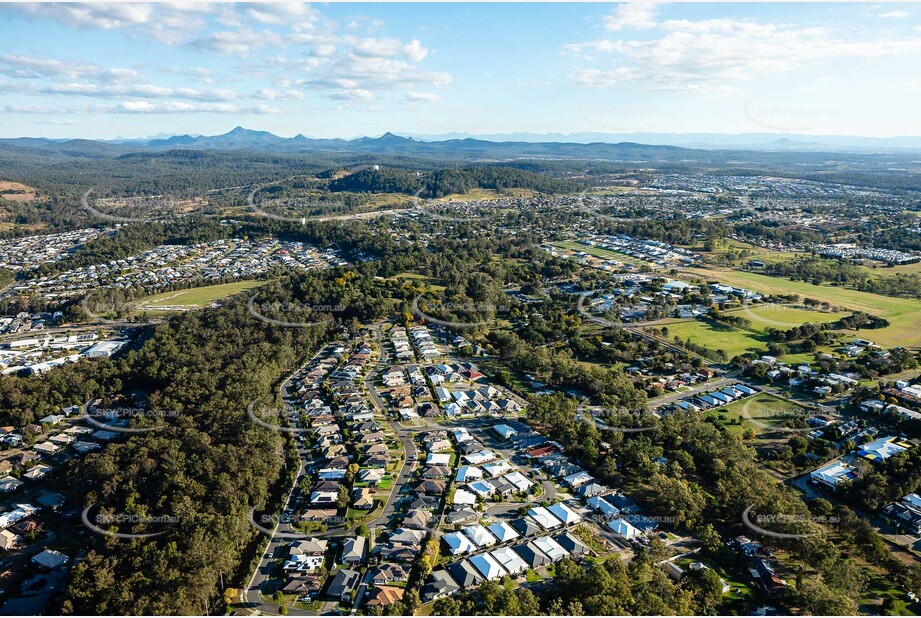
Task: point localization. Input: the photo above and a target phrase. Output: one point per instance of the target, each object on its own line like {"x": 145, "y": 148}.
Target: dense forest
{"x": 206, "y": 467}
{"x": 446, "y": 182}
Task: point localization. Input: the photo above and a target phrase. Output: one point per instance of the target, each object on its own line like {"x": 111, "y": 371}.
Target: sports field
{"x": 196, "y": 297}
{"x": 904, "y": 314}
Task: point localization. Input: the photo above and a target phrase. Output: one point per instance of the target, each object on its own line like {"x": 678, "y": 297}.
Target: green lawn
{"x": 198, "y": 297}
{"x": 765, "y": 409}
{"x": 904, "y": 314}
{"x": 765, "y": 316}
{"x": 717, "y": 337}
{"x": 416, "y": 278}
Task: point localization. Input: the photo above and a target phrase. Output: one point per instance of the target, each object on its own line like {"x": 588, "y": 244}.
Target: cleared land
{"x": 763, "y": 317}
{"x": 605, "y": 254}
{"x": 416, "y": 278}
{"x": 903, "y": 314}
{"x": 486, "y": 194}
{"x": 735, "y": 341}
{"x": 196, "y": 297}
{"x": 717, "y": 337}
{"x": 767, "y": 411}
{"x": 16, "y": 192}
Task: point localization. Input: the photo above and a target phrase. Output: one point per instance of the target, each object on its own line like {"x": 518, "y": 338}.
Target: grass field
{"x": 486, "y": 194}
{"x": 717, "y": 337}
{"x": 197, "y": 297}
{"x": 767, "y": 316}
{"x": 904, "y": 314}
{"x": 416, "y": 278}
{"x": 765, "y": 409}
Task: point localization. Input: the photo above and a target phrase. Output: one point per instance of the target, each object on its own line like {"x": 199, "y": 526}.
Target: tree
{"x": 351, "y": 471}
{"x": 707, "y": 588}
{"x": 342, "y": 499}
{"x": 817, "y": 599}
{"x": 846, "y": 577}
{"x": 710, "y": 538}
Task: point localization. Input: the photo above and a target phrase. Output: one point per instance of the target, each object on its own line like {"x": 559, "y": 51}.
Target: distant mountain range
{"x": 740, "y": 141}
{"x": 263, "y": 141}
{"x": 709, "y": 147}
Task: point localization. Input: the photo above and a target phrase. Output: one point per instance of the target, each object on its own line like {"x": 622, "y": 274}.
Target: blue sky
{"x": 343, "y": 70}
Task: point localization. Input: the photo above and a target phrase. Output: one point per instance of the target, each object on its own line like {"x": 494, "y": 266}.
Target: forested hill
{"x": 445, "y": 182}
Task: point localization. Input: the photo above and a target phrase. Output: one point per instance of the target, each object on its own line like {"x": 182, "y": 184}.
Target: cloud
{"x": 35, "y": 109}
{"x": 279, "y": 13}
{"x": 420, "y": 97}
{"x": 118, "y": 91}
{"x": 352, "y": 94}
{"x": 101, "y": 15}
{"x": 638, "y": 15}
{"x": 377, "y": 48}
{"x": 598, "y": 78}
{"x": 31, "y": 67}
{"x": 414, "y": 51}
{"x": 289, "y": 47}
{"x": 176, "y": 107}
{"x": 241, "y": 42}
{"x": 894, "y": 15}
{"x": 144, "y": 107}
{"x": 278, "y": 95}
{"x": 714, "y": 54}
{"x": 168, "y": 23}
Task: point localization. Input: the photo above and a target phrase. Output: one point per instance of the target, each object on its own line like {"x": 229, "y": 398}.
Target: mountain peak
{"x": 391, "y": 137}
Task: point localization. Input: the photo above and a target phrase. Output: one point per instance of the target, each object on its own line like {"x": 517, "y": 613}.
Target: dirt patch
{"x": 16, "y": 192}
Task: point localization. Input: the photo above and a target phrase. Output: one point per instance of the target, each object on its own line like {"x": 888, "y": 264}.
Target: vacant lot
{"x": 477, "y": 194}
{"x": 417, "y": 279}
{"x": 904, "y": 314}
{"x": 197, "y": 297}
{"x": 717, "y": 337}
{"x": 759, "y": 413}
{"x": 16, "y": 192}
{"x": 605, "y": 254}
{"x": 767, "y": 316}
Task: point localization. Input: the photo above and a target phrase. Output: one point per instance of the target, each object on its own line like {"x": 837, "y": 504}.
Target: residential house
{"x": 464, "y": 574}
{"x": 440, "y": 586}
{"x": 531, "y": 555}
{"x": 354, "y": 550}
{"x": 384, "y": 596}
{"x": 343, "y": 584}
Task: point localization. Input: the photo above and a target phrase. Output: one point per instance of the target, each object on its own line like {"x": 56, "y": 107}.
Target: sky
{"x": 350, "y": 69}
